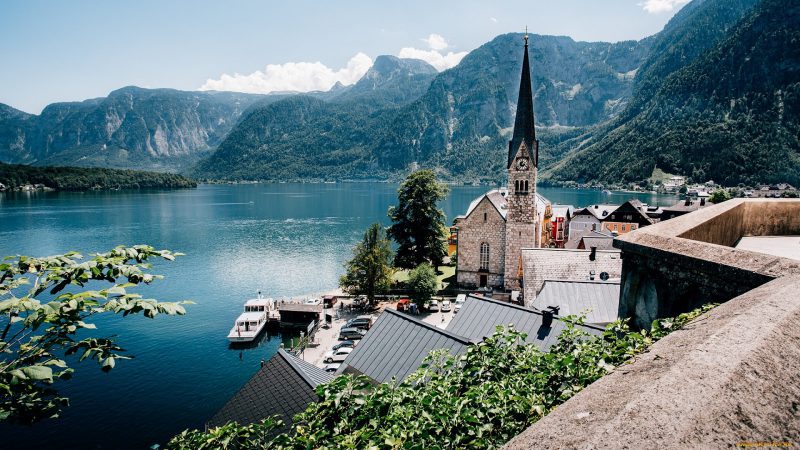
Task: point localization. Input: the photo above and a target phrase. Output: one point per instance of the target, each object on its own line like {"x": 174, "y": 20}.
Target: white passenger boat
{"x": 252, "y": 321}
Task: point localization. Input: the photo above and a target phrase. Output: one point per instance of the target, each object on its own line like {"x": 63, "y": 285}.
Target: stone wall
{"x": 730, "y": 378}
{"x": 474, "y": 230}
{"x": 677, "y": 265}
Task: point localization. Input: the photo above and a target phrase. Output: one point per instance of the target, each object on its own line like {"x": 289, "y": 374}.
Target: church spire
{"x": 523, "y": 124}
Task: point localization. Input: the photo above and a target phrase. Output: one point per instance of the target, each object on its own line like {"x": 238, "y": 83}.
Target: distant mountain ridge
{"x": 605, "y": 112}
{"x": 730, "y": 113}
{"x": 457, "y": 124}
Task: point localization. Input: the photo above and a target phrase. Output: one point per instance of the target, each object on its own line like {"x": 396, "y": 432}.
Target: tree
{"x": 369, "y": 272}
{"x": 418, "y": 225}
{"x": 423, "y": 284}
{"x": 719, "y": 196}
{"x": 41, "y": 326}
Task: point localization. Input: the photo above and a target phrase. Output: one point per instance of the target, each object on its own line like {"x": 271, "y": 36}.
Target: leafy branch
{"x": 43, "y": 307}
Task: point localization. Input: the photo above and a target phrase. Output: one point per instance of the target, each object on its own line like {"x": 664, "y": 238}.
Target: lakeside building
{"x": 586, "y": 220}
{"x": 683, "y": 207}
{"x": 555, "y": 226}
{"x": 630, "y": 216}
{"x": 494, "y": 230}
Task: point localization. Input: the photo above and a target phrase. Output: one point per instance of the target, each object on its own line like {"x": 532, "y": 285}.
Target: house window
{"x": 484, "y": 256}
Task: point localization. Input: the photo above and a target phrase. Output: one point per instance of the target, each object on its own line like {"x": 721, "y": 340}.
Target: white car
{"x": 331, "y": 367}
{"x": 460, "y": 300}
{"x": 433, "y": 306}
{"x": 337, "y": 355}
{"x": 445, "y": 305}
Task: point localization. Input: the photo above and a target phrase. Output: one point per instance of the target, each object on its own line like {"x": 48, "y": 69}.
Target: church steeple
{"x": 523, "y": 124}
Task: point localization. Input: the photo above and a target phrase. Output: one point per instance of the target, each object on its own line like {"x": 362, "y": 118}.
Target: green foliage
{"x": 418, "y": 225}
{"x": 82, "y": 179}
{"x": 231, "y": 436}
{"x": 719, "y": 196}
{"x": 369, "y": 272}
{"x": 482, "y": 399}
{"x": 43, "y": 322}
{"x": 423, "y": 283}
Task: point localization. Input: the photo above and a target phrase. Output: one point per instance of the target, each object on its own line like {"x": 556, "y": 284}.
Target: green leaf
{"x": 39, "y": 373}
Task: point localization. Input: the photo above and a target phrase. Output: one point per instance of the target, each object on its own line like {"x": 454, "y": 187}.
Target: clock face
{"x": 522, "y": 164}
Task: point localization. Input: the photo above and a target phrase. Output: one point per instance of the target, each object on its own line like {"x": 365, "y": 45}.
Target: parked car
{"x": 338, "y": 355}
{"x": 433, "y": 306}
{"x": 333, "y": 367}
{"x": 363, "y": 323}
{"x": 344, "y": 344}
{"x": 460, "y": 300}
{"x": 351, "y": 333}
{"x": 403, "y": 304}
{"x": 445, "y": 306}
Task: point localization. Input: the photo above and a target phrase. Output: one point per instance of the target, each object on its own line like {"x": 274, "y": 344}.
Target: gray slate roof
{"x": 284, "y": 386}
{"x": 396, "y": 346}
{"x": 479, "y": 318}
{"x": 600, "y": 241}
{"x": 600, "y": 299}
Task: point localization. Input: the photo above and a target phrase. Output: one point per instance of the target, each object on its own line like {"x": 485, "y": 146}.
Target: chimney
{"x": 593, "y": 254}
{"x": 688, "y": 201}
{"x": 547, "y": 316}
{"x": 703, "y": 201}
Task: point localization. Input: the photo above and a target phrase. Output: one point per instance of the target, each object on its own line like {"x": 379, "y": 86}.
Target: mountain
{"x": 458, "y": 123}
{"x": 720, "y": 101}
{"x": 132, "y": 127}
{"x": 391, "y": 81}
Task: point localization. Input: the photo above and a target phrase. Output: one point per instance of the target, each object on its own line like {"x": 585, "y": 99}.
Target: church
{"x": 501, "y": 222}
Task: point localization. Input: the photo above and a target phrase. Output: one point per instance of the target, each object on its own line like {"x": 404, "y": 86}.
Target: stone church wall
{"x": 484, "y": 224}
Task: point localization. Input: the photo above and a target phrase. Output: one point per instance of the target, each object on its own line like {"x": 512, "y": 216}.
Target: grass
{"x": 447, "y": 272}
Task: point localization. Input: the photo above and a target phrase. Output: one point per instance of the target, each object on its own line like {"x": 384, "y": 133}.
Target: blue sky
{"x": 63, "y": 51}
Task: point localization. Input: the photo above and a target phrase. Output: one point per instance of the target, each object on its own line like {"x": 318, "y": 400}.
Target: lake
{"x": 282, "y": 239}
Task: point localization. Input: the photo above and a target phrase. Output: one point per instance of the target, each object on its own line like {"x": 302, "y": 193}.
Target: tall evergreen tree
{"x": 418, "y": 225}
{"x": 369, "y": 272}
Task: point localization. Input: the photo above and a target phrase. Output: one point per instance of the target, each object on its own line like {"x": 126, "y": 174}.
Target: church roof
{"x": 523, "y": 124}
{"x": 498, "y": 199}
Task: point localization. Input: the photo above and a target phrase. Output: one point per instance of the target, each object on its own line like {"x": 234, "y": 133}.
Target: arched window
{"x": 484, "y": 256}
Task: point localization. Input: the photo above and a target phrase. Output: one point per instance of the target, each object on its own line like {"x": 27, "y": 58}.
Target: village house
{"x": 586, "y": 220}
{"x": 630, "y": 216}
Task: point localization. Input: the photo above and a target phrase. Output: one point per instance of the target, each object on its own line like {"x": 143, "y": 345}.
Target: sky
{"x": 52, "y": 51}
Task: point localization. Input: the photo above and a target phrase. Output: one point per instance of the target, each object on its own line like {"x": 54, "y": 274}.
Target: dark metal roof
{"x": 599, "y": 299}
{"x": 284, "y": 386}
{"x": 479, "y": 318}
{"x": 396, "y": 346}
{"x": 523, "y": 123}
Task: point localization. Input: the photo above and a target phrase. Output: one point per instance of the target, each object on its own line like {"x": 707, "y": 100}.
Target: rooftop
{"x": 284, "y": 386}
{"x": 396, "y": 345}
{"x": 598, "y": 299}
{"x": 479, "y": 318}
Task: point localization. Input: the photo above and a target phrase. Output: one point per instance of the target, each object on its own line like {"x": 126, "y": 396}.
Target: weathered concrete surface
{"x": 730, "y": 377}
{"x": 677, "y": 265}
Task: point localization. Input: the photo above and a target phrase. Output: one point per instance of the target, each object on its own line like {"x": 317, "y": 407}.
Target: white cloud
{"x": 436, "y": 59}
{"x": 434, "y": 56}
{"x": 292, "y": 76}
{"x": 660, "y": 6}
{"x": 436, "y": 42}
{"x": 493, "y": 19}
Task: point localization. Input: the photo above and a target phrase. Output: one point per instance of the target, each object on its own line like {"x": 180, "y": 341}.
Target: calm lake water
{"x": 282, "y": 239}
